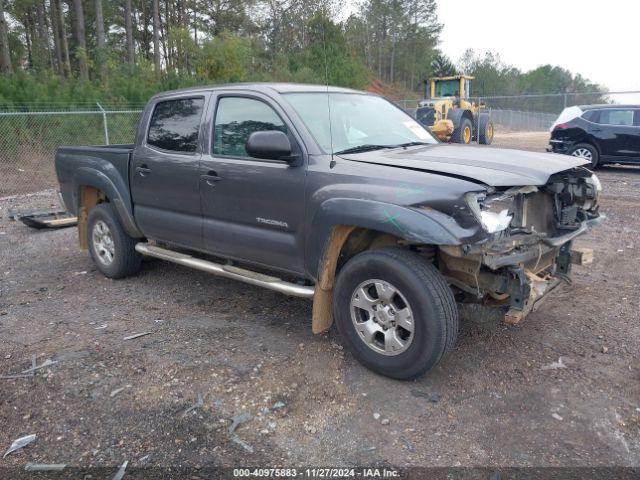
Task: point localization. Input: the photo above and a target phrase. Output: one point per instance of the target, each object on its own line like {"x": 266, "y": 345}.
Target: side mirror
{"x": 268, "y": 144}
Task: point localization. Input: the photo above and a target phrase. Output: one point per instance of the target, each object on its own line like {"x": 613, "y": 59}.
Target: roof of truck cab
{"x": 265, "y": 87}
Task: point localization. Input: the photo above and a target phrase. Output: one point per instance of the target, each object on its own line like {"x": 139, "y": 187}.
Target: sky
{"x": 599, "y": 40}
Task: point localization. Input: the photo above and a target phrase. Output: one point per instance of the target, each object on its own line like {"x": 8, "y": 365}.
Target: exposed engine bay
{"x": 528, "y": 250}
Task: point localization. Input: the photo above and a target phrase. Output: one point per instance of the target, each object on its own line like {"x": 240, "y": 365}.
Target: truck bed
{"x": 111, "y": 161}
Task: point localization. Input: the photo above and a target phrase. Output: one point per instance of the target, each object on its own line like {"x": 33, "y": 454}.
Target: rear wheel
{"x": 395, "y": 312}
{"x": 112, "y": 250}
{"x": 464, "y": 132}
{"x": 587, "y": 152}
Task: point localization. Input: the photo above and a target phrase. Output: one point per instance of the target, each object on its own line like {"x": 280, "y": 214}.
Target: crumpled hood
{"x": 492, "y": 166}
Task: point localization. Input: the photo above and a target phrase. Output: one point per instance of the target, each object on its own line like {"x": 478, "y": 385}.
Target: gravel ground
{"x": 226, "y": 348}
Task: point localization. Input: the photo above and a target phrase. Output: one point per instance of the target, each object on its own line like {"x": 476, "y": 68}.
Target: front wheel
{"x": 485, "y": 130}
{"x": 463, "y": 132}
{"x": 395, "y": 312}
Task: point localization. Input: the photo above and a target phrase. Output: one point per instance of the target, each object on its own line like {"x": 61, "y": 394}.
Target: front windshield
{"x": 356, "y": 120}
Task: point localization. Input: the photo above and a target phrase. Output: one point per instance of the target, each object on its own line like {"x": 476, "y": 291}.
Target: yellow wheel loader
{"x": 451, "y": 116}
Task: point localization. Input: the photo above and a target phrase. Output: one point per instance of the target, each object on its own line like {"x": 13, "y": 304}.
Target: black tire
{"x": 486, "y": 130}
{"x": 459, "y": 135}
{"x": 435, "y": 314}
{"x": 125, "y": 260}
{"x": 575, "y": 151}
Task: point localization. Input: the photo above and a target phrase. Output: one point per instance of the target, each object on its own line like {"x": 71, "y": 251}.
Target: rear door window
{"x": 236, "y": 119}
{"x": 616, "y": 117}
{"x": 175, "y": 125}
{"x": 636, "y": 118}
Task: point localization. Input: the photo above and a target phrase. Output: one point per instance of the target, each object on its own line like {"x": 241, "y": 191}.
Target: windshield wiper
{"x": 364, "y": 148}
{"x": 371, "y": 147}
{"x": 410, "y": 144}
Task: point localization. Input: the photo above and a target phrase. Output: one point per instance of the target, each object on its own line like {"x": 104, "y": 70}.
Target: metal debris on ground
{"x": 433, "y": 397}
{"x": 556, "y": 416}
{"x": 48, "y": 362}
{"x": 29, "y": 372}
{"x": 120, "y": 473}
{"x": 116, "y": 391}
{"x": 198, "y": 404}
{"x": 239, "y": 420}
{"x": 20, "y": 443}
{"x": 554, "y": 365}
{"x": 137, "y": 335}
{"x": 242, "y": 443}
{"x": 45, "y": 467}
{"x": 278, "y": 405}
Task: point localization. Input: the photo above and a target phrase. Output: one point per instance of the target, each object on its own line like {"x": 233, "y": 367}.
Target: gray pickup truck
{"x": 339, "y": 196}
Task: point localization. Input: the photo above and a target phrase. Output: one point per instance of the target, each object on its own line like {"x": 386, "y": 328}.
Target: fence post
{"x": 565, "y": 100}
{"x": 104, "y": 121}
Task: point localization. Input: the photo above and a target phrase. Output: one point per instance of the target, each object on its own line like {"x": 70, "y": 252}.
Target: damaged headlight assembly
{"x": 493, "y": 212}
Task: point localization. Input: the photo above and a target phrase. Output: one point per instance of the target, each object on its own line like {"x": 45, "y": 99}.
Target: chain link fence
{"x": 28, "y": 139}
{"x": 28, "y": 142}
{"x": 536, "y": 113}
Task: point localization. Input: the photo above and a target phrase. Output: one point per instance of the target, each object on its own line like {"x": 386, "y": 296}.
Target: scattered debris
{"x": 100, "y": 327}
{"x": 48, "y": 362}
{"x": 198, "y": 404}
{"x": 605, "y": 349}
{"x": 432, "y": 397}
{"x": 116, "y": 391}
{"x": 384, "y": 421}
{"x": 554, "y": 365}
{"x": 45, "y": 467}
{"x": 310, "y": 429}
{"x": 239, "y": 420}
{"x": 242, "y": 443}
{"x": 30, "y": 372}
{"x": 120, "y": 473}
{"x": 145, "y": 458}
{"x": 376, "y": 416}
{"x": 556, "y": 416}
{"x": 20, "y": 443}
{"x": 40, "y": 219}
{"x": 278, "y": 405}
{"x": 137, "y": 335}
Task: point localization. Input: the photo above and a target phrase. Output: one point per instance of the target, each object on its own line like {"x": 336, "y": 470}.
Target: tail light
{"x": 561, "y": 126}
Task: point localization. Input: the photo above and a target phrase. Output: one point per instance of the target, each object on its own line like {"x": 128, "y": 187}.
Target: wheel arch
{"x": 343, "y": 243}
{"x": 93, "y": 187}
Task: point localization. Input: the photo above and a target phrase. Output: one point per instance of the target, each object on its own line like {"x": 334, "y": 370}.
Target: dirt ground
{"x": 241, "y": 349}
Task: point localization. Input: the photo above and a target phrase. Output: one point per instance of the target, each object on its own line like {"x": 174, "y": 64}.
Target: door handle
{"x": 143, "y": 170}
{"x": 211, "y": 178}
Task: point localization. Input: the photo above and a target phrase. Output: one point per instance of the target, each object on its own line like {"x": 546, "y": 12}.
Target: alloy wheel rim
{"x": 103, "y": 245}
{"x": 382, "y": 317}
{"x": 583, "y": 153}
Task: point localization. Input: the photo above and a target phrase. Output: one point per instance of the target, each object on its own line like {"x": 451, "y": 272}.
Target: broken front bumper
{"x": 517, "y": 271}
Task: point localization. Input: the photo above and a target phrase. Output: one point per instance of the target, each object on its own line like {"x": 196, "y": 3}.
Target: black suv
{"x": 598, "y": 133}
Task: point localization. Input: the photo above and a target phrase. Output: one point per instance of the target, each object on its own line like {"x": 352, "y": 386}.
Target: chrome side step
{"x": 235, "y": 273}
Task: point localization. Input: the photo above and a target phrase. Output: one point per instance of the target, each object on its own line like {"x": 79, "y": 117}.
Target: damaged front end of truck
{"x": 524, "y": 249}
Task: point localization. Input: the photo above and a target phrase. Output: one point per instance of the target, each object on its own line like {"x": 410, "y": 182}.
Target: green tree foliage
{"x": 442, "y": 66}
{"x": 76, "y": 52}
